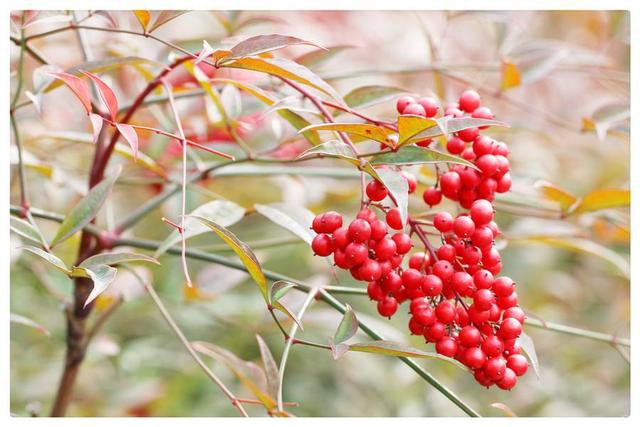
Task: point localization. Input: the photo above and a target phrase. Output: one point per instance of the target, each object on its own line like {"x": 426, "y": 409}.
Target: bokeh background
{"x": 574, "y": 77}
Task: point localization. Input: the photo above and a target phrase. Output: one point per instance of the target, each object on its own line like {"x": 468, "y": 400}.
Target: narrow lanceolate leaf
{"x": 113, "y": 258}
{"x": 414, "y": 155}
{"x": 283, "y": 309}
{"x": 285, "y": 68}
{"x": 347, "y": 328}
{"x": 316, "y": 58}
{"x": 366, "y": 96}
{"x": 504, "y": 408}
{"x": 49, "y": 257}
{"x": 22, "y": 320}
{"x": 554, "y": 193}
{"x": 398, "y": 189}
{"x": 264, "y": 43}
{"x": 143, "y": 17}
{"x": 166, "y": 16}
{"x": 510, "y": 75}
{"x": 86, "y": 209}
{"x": 389, "y": 348}
{"x": 410, "y": 126}
{"x": 96, "y": 125}
{"x": 222, "y": 212}
{"x": 279, "y": 289}
{"x": 529, "y": 350}
{"x": 367, "y": 131}
{"x": 25, "y": 229}
{"x": 576, "y": 244}
{"x": 78, "y": 86}
{"x": 602, "y": 199}
{"x": 291, "y": 217}
{"x": 243, "y": 251}
{"x": 100, "y": 274}
{"x": 606, "y": 116}
{"x": 106, "y": 94}
{"x": 130, "y": 135}
{"x": 205, "y": 52}
{"x": 270, "y": 368}
{"x": 448, "y": 125}
{"x": 333, "y": 148}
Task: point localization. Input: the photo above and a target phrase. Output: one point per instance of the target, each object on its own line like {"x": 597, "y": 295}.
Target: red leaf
{"x": 78, "y": 86}
{"x": 106, "y": 94}
{"x": 129, "y": 133}
{"x": 96, "y": 124}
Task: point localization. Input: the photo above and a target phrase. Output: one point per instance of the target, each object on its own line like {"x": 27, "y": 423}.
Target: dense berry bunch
{"x": 456, "y": 298}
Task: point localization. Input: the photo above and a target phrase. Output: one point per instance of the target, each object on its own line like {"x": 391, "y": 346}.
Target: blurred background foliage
{"x": 560, "y": 79}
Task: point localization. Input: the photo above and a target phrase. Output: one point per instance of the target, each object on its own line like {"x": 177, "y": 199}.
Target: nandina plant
{"x": 425, "y": 234}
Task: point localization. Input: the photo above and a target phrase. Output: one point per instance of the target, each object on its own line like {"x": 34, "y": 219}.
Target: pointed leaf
{"x": 414, "y": 155}
{"x": 291, "y": 217}
{"x": 270, "y": 368}
{"x": 106, "y": 94}
{"x": 25, "y": 229}
{"x": 130, "y": 135}
{"x": 389, "y": 348}
{"x": 510, "y": 75}
{"x": 243, "y": 251}
{"x": 100, "y": 274}
{"x": 398, "y": 189}
{"x": 112, "y": 258}
{"x": 445, "y": 126}
{"x": 205, "y": 52}
{"x": 222, "y": 212}
{"x": 107, "y": 16}
{"x": 602, "y": 199}
{"x": 504, "y": 408}
{"x": 316, "y": 58}
{"x": 529, "y": 350}
{"x": 410, "y": 126}
{"x": 22, "y": 320}
{"x": 347, "y": 328}
{"x": 49, "y": 257}
{"x": 366, "y": 96}
{"x": 78, "y": 86}
{"x": 143, "y": 16}
{"x": 338, "y": 350}
{"x": 265, "y": 43}
{"x": 556, "y": 194}
{"x": 86, "y": 209}
{"x": 166, "y": 16}
{"x": 279, "y": 289}
{"x": 280, "y": 307}
{"x": 96, "y": 125}
{"x": 285, "y": 68}
{"x": 375, "y": 133}
{"x": 333, "y": 148}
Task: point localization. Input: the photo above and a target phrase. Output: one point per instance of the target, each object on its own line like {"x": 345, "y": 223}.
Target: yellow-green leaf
{"x": 410, "y": 126}
{"x": 366, "y": 96}
{"x": 556, "y": 194}
{"x": 390, "y": 348}
{"x": 111, "y": 258}
{"x": 49, "y": 257}
{"x": 243, "y": 251}
{"x": 510, "y": 75}
{"x": 270, "y": 367}
{"x": 143, "y": 16}
{"x": 414, "y": 155}
{"x": 100, "y": 274}
{"x": 602, "y": 199}
{"x": 368, "y": 131}
{"x": 26, "y": 230}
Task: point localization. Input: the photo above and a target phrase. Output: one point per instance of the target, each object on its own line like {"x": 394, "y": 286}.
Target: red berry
{"x": 385, "y": 249}
{"x": 412, "y": 182}
{"x": 370, "y": 270}
{"x": 455, "y": 145}
{"x": 504, "y": 183}
{"x": 474, "y": 357}
{"x": 368, "y": 215}
{"x": 510, "y": 328}
{"x": 508, "y": 381}
{"x": 482, "y": 378}
{"x": 322, "y": 245}
{"x": 430, "y": 106}
{"x": 393, "y": 219}
{"x": 375, "y": 292}
{"x": 450, "y": 183}
{"x": 493, "y": 346}
{"x": 432, "y": 196}
{"x": 434, "y": 332}
{"x": 419, "y": 260}
{"x": 356, "y": 253}
{"x": 359, "y": 230}
{"x": 518, "y": 364}
{"x": 426, "y": 316}
{"x": 445, "y": 312}
{"x": 341, "y": 237}
{"x": 431, "y": 285}
{"x": 403, "y": 243}
{"x": 443, "y": 222}
{"x": 483, "y": 299}
{"x": 411, "y": 278}
{"x": 495, "y": 368}
{"x": 414, "y": 327}
{"x": 447, "y": 252}
{"x": 515, "y": 312}
{"x": 403, "y": 102}
{"x": 481, "y": 212}
{"x": 478, "y": 316}
{"x": 463, "y": 226}
{"x": 469, "y": 101}
{"x": 482, "y": 237}
{"x": 443, "y": 269}
{"x": 482, "y": 113}
{"x": 508, "y": 302}
{"x": 488, "y": 164}
{"x": 447, "y": 346}
{"x": 462, "y": 282}
{"x": 414, "y": 109}
{"x": 472, "y": 256}
{"x": 340, "y": 259}
{"x": 376, "y": 190}
{"x": 469, "y": 336}
{"x": 503, "y": 286}
{"x": 378, "y": 229}
{"x": 387, "y": 306}
{"x": 469, "y": 134}
{"x": 391, "y": 282}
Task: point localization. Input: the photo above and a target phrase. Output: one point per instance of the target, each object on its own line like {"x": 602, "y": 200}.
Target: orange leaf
{"x": 510, "y": 75}
{"x": 144, "y": 16}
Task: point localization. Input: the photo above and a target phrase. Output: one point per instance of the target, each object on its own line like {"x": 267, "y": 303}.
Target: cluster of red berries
{"x": 456, "y": 299}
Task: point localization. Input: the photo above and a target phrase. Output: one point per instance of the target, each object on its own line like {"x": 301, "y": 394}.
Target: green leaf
{"x": 263, "y": 43}
{"x": 280, "y": 307}
{"x": 529, "y": 349}
{"x": 22, "y": 320}
{"x": 86, "y": 209}
{"x": 285, "y": 68}
{"x": 602, "y": 199}
{"x": 318, "y": 57}
{"x": 25, "y": 229}
{"x": 414, "y": 155}
{"x": 348, "y": 326}
{"x": 390, "y": 348}
{"x": 279, "y": 289}
{"x": 367, "y": 131}
{"x": 291, "y": 217}
{"x": 222, "y": 212}
{"x": 398, "y": 189}
{"x": 113, "y": 258}
{"x": 270, "y": 368}
{"x": 243, "y": 251}
{"x": 102, "y": 276}
{"x": 366, "y": 96}
{"x": 49, "y": 257}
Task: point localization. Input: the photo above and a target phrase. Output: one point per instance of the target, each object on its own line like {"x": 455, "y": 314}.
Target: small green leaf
{"x": 366, "y": 96}
{"x": 529, "y": 349}
{"x": 389, "y": 348}
{"x": 26, "y": 230}
{"x": 347, "y": 328}
{"x": 22, "y": 320}
{"x": 279, "y": 289}
{"x": 291, "y": 217}
{"x": 50, "y": 258}
{"x": 270, "y": 368}
{"x": 414, "y": 155}
{"x": 115, "y": 258}
{"x": 280, "y": 307}
{"x": 102, "y": 276}
{"x": 243, "y": 251}
{"x": 367, "y": 131}
{"x": 86, "y": 209}
{"x": 222, "y": 212}
{"x": 398, "y": 188}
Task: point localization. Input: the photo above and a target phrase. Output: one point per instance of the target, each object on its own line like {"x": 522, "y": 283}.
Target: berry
{"x": 443, "y": 269}
{"x": 391, "y": 282}
{"x": 412, "y": 182}
{"x": 376, "y": 190}
{"x": 469, "y": 336}
{"x": 455, "y": 145}
{"x": 387, "y": 306}
{"x": 426, "y": 316}
{"x": 493, "y": 346}
{"x": 419, "y": 260}
{"x": 415, "y": 109}
{"x": 462, "y": 282}
{"x": 368, "y": 215}
{"x": 447, "y": 346}
{"x": 443, "y": 222}
{"x": 415, "y": 328}
{"x": 403, "y": 243}
{"x": 474, "y": 357}
{"x": 359, "y": 230}
{"x": 385, "y": 249}
{"x": 430, "y": 106}
{"x": 356, "y": 253}
{"x": 483, "y": 299}
{"x": 432, "y": 285}
{"x": 463, "y": 226}
{"x": 447, "y": 252}
{"x": 515, "y": 312}
{"x": 469, "y": 134}
{"x": 393, "y": 219}
{"x": 434, "y": 332}
{"x": 450, "y": 183}
{"x": 322, "y": 245}
{"x": 508, "y": 381}
{"x": 495, "y": 368}
{"x": 482, "y": 237}
{"x": 370, "y": 270}
{"x": 432, "y": 196}
{"x": 469, "y": 101}
{"x": 518, "y": 364}
{"x": 510, "y": 328}
{"x": 481, "y": 212}
{"x": 445, "y": 312}
{"x": 403, "y": 102}
{"x": 503, "y": 286}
